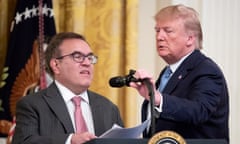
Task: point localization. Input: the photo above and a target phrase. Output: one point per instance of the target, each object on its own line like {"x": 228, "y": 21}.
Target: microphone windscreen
{"x": 117, "y": 81}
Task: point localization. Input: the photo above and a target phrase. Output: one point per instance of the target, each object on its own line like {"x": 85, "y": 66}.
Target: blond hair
{"x": 189, "y": 17}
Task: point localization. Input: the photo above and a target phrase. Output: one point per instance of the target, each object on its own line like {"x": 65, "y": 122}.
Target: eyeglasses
{"x": 80, "y": 57}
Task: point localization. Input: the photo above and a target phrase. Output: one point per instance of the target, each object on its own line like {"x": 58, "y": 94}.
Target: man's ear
{"x": 54, "y": 66}
{"x": 191, "y": 40}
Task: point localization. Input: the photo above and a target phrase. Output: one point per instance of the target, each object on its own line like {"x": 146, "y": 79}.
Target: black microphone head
{"x": 117, "y": 81}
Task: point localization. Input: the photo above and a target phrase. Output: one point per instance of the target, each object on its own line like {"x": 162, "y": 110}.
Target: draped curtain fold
{"x": 6, "y": 13}
{"x": 110, "y": 26}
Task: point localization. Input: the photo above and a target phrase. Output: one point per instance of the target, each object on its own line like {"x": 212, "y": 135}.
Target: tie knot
{"x": 77, "y": 100}
{"x": 168, "y": 72}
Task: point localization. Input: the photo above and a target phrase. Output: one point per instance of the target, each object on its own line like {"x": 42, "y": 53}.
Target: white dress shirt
{"x": 86, "y": 110}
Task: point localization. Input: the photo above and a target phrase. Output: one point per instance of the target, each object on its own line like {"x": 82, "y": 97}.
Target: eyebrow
{"x": 90, "y": 53}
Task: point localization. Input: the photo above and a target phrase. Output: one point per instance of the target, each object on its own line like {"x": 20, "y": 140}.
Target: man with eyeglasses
{"x": 48, "y": 116}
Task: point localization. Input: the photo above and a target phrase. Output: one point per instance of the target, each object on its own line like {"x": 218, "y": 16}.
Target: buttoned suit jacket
{"x": 195, "y": 100}
{"x": 43, "y": 117}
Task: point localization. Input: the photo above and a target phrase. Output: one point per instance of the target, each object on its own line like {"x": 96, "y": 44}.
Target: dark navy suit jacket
{"x": 195, "y": 100}
{"x": 43, "y": 118}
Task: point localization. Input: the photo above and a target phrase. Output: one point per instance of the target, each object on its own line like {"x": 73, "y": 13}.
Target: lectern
{"x": 145, "y": 141}
{"x": 118, "y": 141}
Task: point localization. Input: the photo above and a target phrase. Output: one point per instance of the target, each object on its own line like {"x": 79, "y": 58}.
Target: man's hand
{"x": 81, "y": 138}
{"x": 142, "y": 88}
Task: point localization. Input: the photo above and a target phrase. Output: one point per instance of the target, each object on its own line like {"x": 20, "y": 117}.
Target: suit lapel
{"x": 58, "y": 106}
{"x": 183, "y": 70}
{"x": 175, "y": 79}
{"x": 97, "y": 111}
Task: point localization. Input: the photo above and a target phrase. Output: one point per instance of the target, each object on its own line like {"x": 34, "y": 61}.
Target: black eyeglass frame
{"x": 80, "y": 57}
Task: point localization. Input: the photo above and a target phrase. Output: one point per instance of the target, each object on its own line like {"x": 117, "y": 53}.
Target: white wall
{"x": 146, "y": 42}
{"x": 221, "y": 27}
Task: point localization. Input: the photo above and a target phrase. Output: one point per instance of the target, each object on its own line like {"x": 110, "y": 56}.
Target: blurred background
{"x": 121, "y": 33}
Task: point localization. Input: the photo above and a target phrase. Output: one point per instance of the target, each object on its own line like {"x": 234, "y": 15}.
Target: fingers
{"x": 82, "y": 138}
{"x": 142, "y": 75}
{"x": 135, "y": 84}
{"x": 142, "y": 88}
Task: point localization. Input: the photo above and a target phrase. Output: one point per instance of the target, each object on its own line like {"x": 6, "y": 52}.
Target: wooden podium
{"x": 145, "y": 141}
{"x": 118, "y": 141}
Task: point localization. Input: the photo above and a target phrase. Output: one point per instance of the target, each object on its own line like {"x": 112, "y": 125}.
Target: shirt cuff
{"x": 68, "y": 141}
{"x": 159, "y": 108}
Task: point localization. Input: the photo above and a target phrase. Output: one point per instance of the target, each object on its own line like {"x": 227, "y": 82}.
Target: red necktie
{"x": 79, "y": 120}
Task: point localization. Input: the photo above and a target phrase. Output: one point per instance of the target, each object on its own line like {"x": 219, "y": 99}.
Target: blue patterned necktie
{"x": 164, "y": 79}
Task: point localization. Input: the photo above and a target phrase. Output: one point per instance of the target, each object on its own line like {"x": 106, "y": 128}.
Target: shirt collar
{"x": 67, "y": 94}
{"x": 174, "y": 66}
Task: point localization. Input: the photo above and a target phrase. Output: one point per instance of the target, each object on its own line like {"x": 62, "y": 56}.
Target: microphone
{"x": 120, "y": 81}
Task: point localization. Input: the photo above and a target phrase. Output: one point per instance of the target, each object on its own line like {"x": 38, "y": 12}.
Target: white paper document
{"x": 118, "y": 132}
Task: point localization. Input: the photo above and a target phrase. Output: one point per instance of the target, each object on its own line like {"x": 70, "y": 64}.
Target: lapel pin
{"x": 180, "y": 77}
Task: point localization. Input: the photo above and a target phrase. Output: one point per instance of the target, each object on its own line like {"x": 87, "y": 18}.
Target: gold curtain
{"x": 110, "y": 26}
{"x": 6, "y": 14}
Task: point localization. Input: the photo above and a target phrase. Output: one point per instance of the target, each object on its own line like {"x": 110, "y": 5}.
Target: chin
{"x": 163, "y": 54}
{"x": 86, "y": 84}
